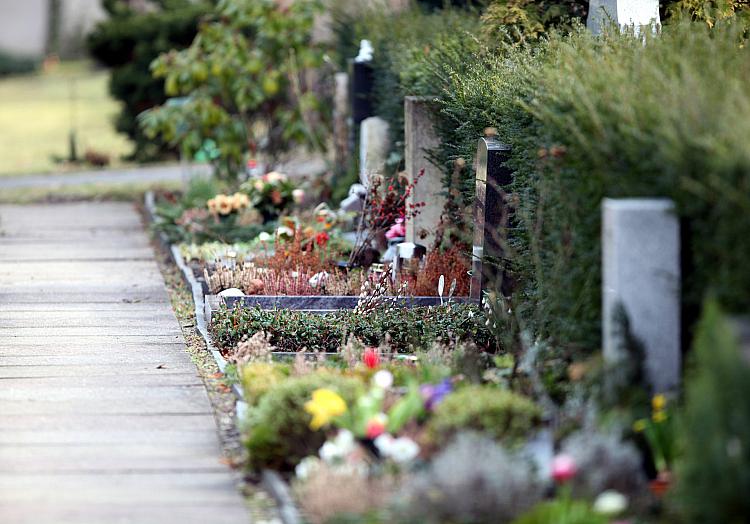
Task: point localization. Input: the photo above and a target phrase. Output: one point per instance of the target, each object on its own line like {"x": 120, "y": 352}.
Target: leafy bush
{"x": 523, "y": 20}
{"x": 605, "y": 462}
{"x": 498, "y": 413}
{"x": 247, "y": 82}
{"x": 278, "y": 428}
{"x": 402, "y": 329}
{"x": 258, "y": 378}
{"x": 712, "y": 476}
{"x": 127, "y": 42}
{"x": 15, "y": 65}
{"x": 472, "y": 480}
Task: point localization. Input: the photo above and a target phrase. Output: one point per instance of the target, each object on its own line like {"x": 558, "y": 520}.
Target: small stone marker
{"x": 490, "y": 214}
{"x": 374, "y": 145}
{"x": 641, "y": 271}
{"x": 622, "y": 13}
{"x": 420, "y": 137}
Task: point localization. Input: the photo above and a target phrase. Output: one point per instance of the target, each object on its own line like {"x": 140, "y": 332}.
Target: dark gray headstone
{"x": 490, "y": 214}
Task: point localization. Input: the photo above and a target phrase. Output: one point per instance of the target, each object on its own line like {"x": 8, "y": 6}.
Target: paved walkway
{"x": 103, "y": 418}
{"x": 138, "y": 174}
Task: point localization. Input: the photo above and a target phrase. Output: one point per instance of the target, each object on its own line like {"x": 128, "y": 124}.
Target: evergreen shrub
{"x": 127, "y": 42}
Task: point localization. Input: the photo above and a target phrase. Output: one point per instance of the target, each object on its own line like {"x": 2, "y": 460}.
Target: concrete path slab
{"x": 103, "y": 417}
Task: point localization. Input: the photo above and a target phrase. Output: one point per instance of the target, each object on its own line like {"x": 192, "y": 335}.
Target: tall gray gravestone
{"x": 374, "y": 144}
{"x": 490, "y": 214}
{"x": 420, "y": 137}
{"x": 341, "y": 121}
{"x": 621, "y": 13}
{"x": 641, "y": 273}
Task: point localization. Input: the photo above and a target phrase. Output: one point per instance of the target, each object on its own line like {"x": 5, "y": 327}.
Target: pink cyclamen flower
{"x": 397, "y": 230}
{"x": 563, "y": 468}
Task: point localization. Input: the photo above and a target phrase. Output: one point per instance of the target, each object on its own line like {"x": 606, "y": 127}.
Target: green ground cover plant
{"x": 279, "y": 435}
{"x": 401, "y": 329}
{"x": 505, "y": 416}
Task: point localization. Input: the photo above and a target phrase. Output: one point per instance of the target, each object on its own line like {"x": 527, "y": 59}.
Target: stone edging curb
{"x": 199, "y": 304}
{"x": 272, "y": 481}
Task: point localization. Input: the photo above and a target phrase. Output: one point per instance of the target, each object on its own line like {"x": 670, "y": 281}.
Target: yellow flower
{"x": 212, "y": 205}
{"x": 659, "y": 416}
{"x": 324, "y": 406}
{"x": 639, "y": 426}
{"x": 659, "y": 402}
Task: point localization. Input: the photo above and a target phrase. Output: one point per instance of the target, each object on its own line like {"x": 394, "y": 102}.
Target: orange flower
{"x": 276, "y": 197}
{"x": 224, "y": 204}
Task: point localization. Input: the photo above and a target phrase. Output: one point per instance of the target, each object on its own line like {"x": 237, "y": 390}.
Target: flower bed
{"x": 375, "y": 436}
{"x": 400, "y": 329}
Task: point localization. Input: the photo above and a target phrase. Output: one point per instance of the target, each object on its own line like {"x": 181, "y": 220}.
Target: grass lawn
{"x": 37, "y": 111}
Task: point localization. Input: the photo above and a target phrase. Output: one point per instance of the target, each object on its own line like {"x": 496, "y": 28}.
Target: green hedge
{"x": 16, "y": 65}
{"x": 403, "y": 329}
{"x": 664, "y": 117}
{"x": 614, "y": 116}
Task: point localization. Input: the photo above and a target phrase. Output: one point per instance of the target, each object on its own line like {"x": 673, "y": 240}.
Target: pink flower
{"x": 375, "y": 426}
{"x": 371, "y": 358}
{"x": 563, "y": 468}
{"x": 397, "y": 230}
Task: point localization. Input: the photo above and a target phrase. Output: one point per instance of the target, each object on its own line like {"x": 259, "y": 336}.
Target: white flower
{"x": 336, "y": 450}
{"x": 264, "y": 237}
{"x": 384, "y": 443}
{"x": 274, "y": 176}
{"x": 284, "y": 230}
{"x": 610, "y": 503}
{"x": 383, "y": 379}
{"x": 329, "y": 452}
{"x": 298, "y": 195}
{"x": 306, "y": 467}
{"x": 319, "y": 278}
{"x": 345, "y": 441}
{"x": 258, "y": 184}
{"x": 403, "y": 449}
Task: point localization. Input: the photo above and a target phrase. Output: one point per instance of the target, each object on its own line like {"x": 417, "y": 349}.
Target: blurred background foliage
{"x": 249, "y": 78}
{"x": 127, "y": 42}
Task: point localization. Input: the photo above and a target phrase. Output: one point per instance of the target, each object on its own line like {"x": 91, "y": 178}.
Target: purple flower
{"x": 433, "y": 394}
